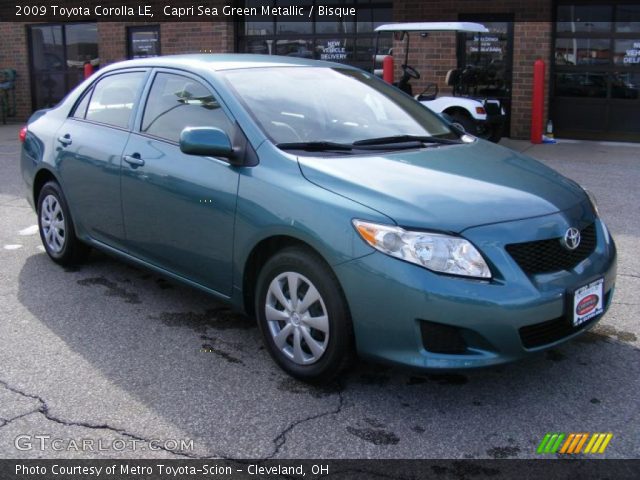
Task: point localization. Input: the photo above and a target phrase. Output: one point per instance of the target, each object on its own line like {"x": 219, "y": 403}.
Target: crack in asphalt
{"x": 281, "y": 439}
{"x": 44, "y": 410}
{"x": 632, "y": 275}
{"x": 6, "y": 422}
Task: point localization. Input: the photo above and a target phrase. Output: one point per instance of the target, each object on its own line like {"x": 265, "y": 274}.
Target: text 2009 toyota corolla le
{"x": 338, "y": 211}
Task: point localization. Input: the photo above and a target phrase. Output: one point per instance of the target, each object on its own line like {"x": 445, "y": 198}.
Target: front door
{"x": 486, "y": 60}
{"x": 179, "y": 209}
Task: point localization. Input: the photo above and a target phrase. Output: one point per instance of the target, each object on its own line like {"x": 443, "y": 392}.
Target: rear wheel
{"x": 56, "y": 227}
{"x": 303, "y": 316}
{"x": 464, "y": 122}
{"x": 490, "y": 131}
{"x": 495, "y": 134}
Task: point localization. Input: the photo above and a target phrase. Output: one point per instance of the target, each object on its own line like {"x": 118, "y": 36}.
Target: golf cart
{"x": 482, "y": 117}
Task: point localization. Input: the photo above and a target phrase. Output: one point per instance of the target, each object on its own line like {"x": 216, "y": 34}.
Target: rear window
{"x": 113, "y": 99}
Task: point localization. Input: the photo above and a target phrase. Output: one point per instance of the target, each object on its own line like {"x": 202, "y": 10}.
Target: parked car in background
{"x": 341, "y": 213}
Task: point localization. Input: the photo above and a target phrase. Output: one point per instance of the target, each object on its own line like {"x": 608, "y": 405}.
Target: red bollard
{"x": 387, "y": 69}
{"x": 88, "y": 70}
{"x": 537, "y": 103}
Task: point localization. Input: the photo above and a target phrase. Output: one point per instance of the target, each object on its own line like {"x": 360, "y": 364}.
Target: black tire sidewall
{"x": 339, "y": 347}
{"x": 496, "y": 133}
{"x": 66, "y": 255}
{"x": 467, "y": 123}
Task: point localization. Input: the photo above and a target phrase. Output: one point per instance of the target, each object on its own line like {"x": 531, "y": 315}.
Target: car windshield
{"x": 332, "y": 108}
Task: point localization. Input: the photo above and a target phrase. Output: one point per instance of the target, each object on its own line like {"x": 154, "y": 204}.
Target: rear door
{"x": 179, "y": 209}
{"x": 90, "y": 145}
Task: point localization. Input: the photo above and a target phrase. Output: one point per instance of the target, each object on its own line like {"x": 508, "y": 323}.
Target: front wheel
{"x": 303, "y": 316}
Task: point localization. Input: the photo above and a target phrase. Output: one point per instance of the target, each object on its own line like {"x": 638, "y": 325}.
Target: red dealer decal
{"x": 587, "y": 304}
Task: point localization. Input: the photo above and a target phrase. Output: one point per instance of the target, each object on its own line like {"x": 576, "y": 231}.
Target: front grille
{"x": 439, "y": 338}
{"x": 553, "y": 330}
{"x": 545, "y": 256}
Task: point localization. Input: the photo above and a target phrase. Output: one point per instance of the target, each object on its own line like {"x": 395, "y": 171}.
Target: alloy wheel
{"x": 297, "y": 318}
{"x": 53, "y": 224}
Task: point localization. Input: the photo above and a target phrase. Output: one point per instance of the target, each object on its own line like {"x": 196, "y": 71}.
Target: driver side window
{"x": 176, "y": 102}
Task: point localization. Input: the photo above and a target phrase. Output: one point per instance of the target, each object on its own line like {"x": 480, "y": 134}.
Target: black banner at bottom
{"x": 318, "y": 469}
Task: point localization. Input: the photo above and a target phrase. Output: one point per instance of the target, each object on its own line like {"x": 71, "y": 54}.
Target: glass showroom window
{"x": 57, "y": 55}
{"x": 596, "y": 62}
{"x": 349, "y": 40}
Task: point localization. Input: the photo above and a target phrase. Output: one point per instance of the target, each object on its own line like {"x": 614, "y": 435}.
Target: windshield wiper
{"x": 406, "y": 139}
{"x": 320, "y": 146}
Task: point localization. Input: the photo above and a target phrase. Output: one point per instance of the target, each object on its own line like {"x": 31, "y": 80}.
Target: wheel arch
{"x": 260, "y": 254}
{"x": 42, "y": 176}
{"x": 458, "y": 110}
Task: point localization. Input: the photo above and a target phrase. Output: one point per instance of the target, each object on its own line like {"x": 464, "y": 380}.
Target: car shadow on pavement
{"x": 124, "y": 347}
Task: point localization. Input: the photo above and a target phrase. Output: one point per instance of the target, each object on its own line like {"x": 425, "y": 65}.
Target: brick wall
{"x": 175, "y": 38}
{"x": 14, "y": 54}
{"x": 435, "y": 55}
{"x": 432, "y": 56}
{"x": 185, "y": 37}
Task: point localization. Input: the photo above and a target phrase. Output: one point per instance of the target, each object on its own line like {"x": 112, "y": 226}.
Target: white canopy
{"x": 433, "y": 27}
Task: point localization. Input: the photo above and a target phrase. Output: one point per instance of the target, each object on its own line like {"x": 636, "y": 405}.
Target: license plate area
{"x": 587, "y": 302}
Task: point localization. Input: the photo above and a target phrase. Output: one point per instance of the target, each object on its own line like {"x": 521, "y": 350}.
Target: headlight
{"x": 435, "y": 251}
{"x": 592, "y": 199}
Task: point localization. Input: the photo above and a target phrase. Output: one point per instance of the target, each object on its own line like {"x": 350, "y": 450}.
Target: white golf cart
{"x": 483, "y": 117}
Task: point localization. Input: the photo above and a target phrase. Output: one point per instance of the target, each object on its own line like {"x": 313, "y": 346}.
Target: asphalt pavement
{"x": 138, "y": 366}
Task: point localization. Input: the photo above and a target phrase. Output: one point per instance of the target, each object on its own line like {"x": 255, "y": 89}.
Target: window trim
{"x": 88, "y": 93}
{"x": 91, "y": 89}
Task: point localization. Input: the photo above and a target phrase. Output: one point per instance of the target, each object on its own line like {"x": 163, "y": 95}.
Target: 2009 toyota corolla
{"x": 342, "y": 214}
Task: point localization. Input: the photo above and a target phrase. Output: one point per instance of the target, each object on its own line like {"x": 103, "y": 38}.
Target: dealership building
{"x": 591, "y": 50}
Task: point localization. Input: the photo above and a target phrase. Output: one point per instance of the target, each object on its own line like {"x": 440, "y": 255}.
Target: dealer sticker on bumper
{"x": 588, "y": 302}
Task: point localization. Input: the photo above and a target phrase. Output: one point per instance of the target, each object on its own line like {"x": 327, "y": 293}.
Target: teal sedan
{"x": 339, "y": 212}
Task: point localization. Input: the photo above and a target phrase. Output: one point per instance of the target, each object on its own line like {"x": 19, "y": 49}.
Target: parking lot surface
{"x": 115, "y": 355}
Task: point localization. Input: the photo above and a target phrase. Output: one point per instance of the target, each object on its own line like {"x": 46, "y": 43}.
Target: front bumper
{"x": 389, "y": 299}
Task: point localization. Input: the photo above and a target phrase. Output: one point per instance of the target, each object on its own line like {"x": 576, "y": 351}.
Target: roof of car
{"x": 218, "y": 62}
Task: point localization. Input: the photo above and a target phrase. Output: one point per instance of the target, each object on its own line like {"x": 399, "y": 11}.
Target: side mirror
{"x": 206, "y": 141}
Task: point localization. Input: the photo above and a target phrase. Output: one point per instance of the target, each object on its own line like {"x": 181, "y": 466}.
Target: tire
{"x": 465, "y": 121}
{"x": 303, "y": 345}
{"x": 491, "y": 132}
{"x": 56, "y": 227}
{"x": 495, "y": 134}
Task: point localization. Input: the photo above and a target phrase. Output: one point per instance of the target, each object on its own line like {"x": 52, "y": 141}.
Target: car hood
{"x": 448, "y": 188}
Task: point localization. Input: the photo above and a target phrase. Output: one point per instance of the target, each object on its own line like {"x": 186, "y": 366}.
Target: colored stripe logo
{"x": 573, "y": 443}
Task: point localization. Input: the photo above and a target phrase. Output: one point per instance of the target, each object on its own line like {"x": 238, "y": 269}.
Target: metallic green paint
{"x": 198, "y": 219}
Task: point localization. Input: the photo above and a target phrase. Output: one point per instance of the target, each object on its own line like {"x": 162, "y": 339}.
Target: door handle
{"x": 65, "y": 140}
{"x": 134, "y": 160}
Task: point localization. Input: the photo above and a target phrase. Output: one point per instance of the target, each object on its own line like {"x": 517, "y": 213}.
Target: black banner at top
{"x": 177, "y": 10}
{"x": 156, "y": 11}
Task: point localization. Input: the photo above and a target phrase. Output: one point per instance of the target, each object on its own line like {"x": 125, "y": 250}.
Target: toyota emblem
{"x": 572, "y": 238}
